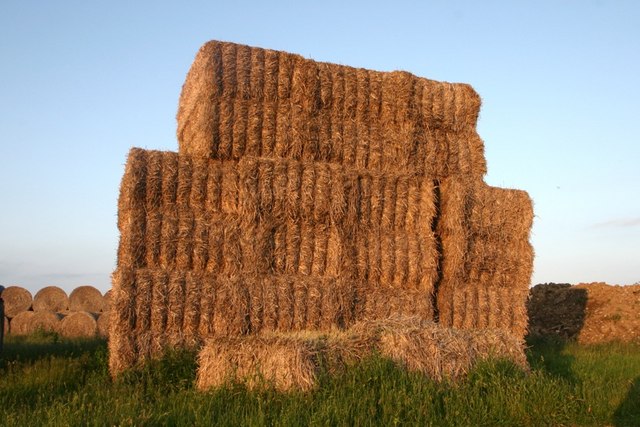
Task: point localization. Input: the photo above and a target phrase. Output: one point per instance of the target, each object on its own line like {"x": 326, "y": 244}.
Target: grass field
{"x": 48, "y": 381}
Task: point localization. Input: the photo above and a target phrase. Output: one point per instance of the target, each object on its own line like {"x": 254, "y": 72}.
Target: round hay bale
{"x": 79, "y": 324}
{"x": 16, "y": 300}
{"x": 104, "y": 321}
{"x": 86, "y": 298}
{"x": 21, "y": 323}
{"x": 108, "y": 301}
{"x": 50, "y": 298}
{"x": 47, "y": 321}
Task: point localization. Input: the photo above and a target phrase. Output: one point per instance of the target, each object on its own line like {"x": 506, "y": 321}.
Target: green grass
{"x": 48, "y": 381}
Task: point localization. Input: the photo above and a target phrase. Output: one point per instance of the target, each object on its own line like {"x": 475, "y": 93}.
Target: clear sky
{"x": 83, "y": 81}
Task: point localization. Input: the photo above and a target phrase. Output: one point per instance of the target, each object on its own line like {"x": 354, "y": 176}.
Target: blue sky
{"x": 81, "y": 82}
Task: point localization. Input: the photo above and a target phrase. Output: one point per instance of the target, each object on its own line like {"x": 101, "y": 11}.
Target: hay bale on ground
{"x": 79, "y": 324}
{"x": 51, "y": 298}
{"x": 86, "y": 298}
{"x": 285, "y": 362}
{"x": 16, "y": 300}
{"x": 293, "y": 360}
{"x": 21, "y": 323}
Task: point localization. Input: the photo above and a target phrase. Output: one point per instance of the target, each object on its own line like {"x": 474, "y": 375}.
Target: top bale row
{"x": 52, "y": 298}
{"x": 239, "y": 100}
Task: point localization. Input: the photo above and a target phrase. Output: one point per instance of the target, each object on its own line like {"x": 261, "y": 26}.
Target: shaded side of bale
{"x": 7, "y": 325}
{"x": 21, "y": 323}
{"x": 51, "y": 298}
{"x": 79, "y": 324}
{"x": 86, "y": 298}
{"x": 16, "y": 300}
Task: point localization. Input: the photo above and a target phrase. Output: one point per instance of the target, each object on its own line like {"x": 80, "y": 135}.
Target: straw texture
{"x": 290, "y": 361}
{"x": 309, "y": 196}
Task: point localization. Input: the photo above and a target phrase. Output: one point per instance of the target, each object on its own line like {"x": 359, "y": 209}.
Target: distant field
{"x": 48, "y": 381}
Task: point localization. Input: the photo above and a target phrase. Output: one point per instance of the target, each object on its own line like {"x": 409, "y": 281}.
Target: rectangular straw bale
{"x": 131, "y": 210}
{"x": 337, "y": 113}
{"x": 207, "y": 305}
{"x": 283, "y": 139}
{"x": 159, "y": 310}
{"x": 122, "y": 343}
{"x": 169, "y": 238}
{"x": 320, "y": 249}
{"x": 376, "y": 130}
{"x": 324, "y": 120}
{"x": 307, "y": 243}
{"x": 192, "y": 308}
{"x": 153, "y": 207}
{"x": 231, "y": 314}
{"x": 306, "y": 105}
{"x": 176, "y": 308}
{"x": 484, "y": 233}
{"x": 284, "y": 363}
{"x": 271, "y": 69}
{"x": 144, "y": 298}
{"x": 361, "y": 113}
{"x": 215, "y": 246}
{"x": 362, "y": 119}
{"x": 350, "y": 136}
{"x": 286, "y": 302}
{"x": 200, "y": 243}
{"x": 300, "y": 304}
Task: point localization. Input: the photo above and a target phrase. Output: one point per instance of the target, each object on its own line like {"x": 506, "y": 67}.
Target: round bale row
{"x": 84, "y": 313}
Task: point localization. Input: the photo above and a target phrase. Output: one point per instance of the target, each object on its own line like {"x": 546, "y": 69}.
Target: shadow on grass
{"x": 628, "y": 413}
{"x": 41, "y": 345}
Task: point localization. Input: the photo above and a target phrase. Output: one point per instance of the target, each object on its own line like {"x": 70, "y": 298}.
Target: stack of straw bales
{"x": 51, "y": 310}
{"x": 312, "y": 196}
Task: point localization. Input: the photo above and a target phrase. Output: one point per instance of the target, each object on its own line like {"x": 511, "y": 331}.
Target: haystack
{"x": 78, "y": 324}
{"x": 16, "y": 300}
{"x": 51, "y": 298}
{"x": 86, "y": 298}
{"x": 289, "y": 361}
{"x": 312, "y": 196}
{"x": 21, "y": 323}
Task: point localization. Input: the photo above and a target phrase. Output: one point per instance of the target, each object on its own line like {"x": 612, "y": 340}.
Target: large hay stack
{"x": 311, "y": 196}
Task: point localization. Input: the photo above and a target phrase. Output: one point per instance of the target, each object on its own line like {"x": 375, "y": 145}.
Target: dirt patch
{"x": 588, "y": 312}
